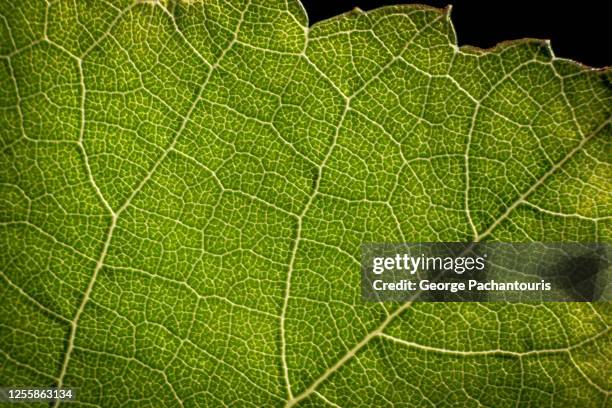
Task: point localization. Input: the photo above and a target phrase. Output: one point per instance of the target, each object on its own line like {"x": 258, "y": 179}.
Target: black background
{"x": 581, "y": 30}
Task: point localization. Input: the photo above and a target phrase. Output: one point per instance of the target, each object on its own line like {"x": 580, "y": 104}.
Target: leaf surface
{"x": 185, "y": 186}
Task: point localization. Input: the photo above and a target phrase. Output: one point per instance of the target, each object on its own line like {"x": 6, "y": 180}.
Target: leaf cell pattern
{"x": 185, "y": 185}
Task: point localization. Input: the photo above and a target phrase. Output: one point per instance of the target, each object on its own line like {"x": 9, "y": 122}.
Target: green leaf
{"x": 185, "y": 185}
